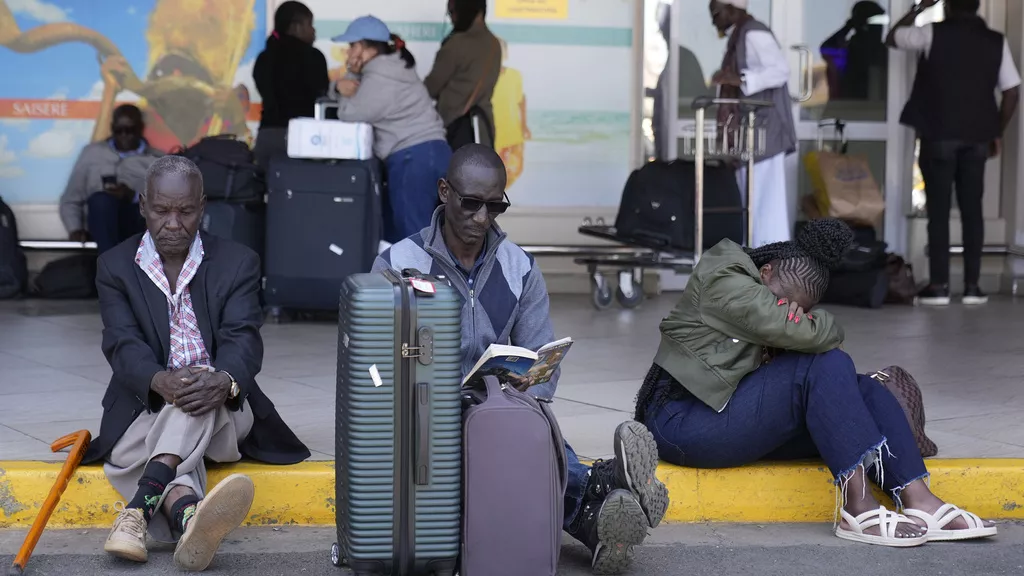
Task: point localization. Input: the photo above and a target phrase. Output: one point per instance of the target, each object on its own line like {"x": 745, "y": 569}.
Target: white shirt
{"x": 766, "y": 63}
{"x": 919, "y": 39}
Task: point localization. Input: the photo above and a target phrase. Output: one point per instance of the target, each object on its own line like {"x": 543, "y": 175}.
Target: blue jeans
{"x": 796, "y": 406}
{"x": 579, "y": 474}
{"x": 112, "y": 221}
{"x": 413, "y": 173}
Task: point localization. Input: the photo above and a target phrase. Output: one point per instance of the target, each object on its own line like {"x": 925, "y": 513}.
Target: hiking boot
{"x": 933, "y": 296}
{"x": 973, "y": 296}
{"x": 127, "y": 539}
{"x": 223, "y": 510}
{"x": 610, "y": 528}
{"x": 633, "y": 468}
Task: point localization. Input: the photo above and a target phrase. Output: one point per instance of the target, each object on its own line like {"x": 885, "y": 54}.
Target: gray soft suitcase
{"x": 398, "y": 428}
{"x": 515, "y": 475}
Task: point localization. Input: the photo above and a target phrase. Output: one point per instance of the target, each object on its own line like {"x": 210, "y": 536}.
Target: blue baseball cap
{"x": 365, "y": 28}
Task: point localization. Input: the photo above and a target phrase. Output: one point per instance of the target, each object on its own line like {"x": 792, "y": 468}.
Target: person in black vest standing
{"x": 954, "y": 111}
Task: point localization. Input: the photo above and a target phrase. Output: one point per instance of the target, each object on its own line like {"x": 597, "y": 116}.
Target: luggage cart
{"x": 742, "y": 141}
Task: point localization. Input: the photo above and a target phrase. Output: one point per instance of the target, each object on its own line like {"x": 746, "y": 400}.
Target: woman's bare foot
{"x": 917, "y": 496}
{"x": 859, "y": 500}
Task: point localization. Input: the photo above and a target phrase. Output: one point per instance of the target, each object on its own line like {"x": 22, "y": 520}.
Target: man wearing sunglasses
{"x": 608, "y": 506}
{"x": 101, "y": 200}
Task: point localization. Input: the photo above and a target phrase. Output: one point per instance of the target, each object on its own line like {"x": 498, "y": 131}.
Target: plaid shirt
{"x": 187, "y": 346}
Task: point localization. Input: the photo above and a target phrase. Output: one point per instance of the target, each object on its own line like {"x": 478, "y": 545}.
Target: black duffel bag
{"x": 861, "y": 278}
{"x": 657, "y": 207}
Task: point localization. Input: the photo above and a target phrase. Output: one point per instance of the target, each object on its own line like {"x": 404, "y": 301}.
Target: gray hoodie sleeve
{"x": 72, "y": 202}
{"x": 533, "y": 328}
{"x": 369, "y": 104}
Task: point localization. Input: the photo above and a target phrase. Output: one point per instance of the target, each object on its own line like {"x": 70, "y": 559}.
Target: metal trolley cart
{"x": 740, "y": 141}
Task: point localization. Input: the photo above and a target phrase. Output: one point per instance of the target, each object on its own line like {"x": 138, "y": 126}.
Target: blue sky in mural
{"x": 32, "y": 167}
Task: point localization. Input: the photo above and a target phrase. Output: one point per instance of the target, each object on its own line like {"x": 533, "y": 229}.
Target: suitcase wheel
{"x": 600, "y": 291}
{"x": 628, "y": 284}
{"x": 336, "y": 558}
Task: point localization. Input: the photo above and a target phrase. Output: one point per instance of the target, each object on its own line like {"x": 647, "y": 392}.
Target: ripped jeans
{"x": 797, "y": 406}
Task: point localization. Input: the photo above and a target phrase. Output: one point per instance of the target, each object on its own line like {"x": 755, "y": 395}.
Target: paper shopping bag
{"x": 844, "y": 187}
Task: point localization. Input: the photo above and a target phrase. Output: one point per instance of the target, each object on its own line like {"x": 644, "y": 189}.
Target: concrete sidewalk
{"x": 969, "y": 363}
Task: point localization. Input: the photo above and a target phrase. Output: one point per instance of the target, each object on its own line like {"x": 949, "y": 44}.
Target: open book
{"x": 518, "y": 366}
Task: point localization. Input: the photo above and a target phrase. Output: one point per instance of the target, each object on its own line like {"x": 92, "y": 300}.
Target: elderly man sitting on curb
{"x": 181, "y": 331}
{"x": 608, "y": 506}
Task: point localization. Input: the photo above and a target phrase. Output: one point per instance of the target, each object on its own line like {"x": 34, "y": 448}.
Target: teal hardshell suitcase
{"x": 398, "y": 428}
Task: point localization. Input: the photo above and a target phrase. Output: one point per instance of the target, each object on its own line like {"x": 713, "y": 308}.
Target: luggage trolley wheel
{"x": 628, "y": 283}
{"x": 336, "y": 558}
{"x": 600, "y": 291}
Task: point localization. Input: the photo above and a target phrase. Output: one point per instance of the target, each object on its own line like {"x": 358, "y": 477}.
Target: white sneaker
{"x": 127, "y": 539}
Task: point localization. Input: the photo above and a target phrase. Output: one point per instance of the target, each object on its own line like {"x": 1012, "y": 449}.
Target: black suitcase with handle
{"x": 323, "y": 225}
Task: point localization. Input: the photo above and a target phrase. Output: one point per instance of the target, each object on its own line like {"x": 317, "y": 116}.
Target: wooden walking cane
{"x": 79, "y": 442}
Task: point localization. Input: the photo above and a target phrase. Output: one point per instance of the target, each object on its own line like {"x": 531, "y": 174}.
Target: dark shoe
{"x": 933, "y": 296}
{"x": 633, "y": 468}
{"x": 611, "y": 528}
{"x": 973, "y": 296}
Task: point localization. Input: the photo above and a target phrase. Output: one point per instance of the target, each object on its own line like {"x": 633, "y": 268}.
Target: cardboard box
{"x": 329, "y": 139}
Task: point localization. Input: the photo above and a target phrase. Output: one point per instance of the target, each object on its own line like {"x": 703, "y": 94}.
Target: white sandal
{"x": 946, "y": 514}
{"x": 886, "y": 521}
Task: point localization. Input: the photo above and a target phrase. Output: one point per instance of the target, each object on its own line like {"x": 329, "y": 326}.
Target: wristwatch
{"x": 235, "y": 388}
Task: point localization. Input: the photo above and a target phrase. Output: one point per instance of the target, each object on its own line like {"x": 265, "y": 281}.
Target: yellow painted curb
{"x": 304, "y": 494}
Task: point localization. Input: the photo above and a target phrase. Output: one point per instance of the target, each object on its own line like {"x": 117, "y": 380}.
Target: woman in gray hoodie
{"x": 382, "y": 88}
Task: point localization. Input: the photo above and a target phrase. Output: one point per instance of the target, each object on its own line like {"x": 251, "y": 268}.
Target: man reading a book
{"x": 608, "y": 506}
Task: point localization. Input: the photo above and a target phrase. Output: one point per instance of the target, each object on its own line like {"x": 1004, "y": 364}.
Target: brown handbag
{"x": 908, "y": 394}
{"x": 902, "y": 287}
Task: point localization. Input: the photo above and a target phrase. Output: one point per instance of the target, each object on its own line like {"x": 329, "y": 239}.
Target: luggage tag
{"x": 424, "y": 286}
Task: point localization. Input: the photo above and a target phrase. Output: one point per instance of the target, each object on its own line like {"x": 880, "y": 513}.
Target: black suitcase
{"x": 244, "y": 223}
{"x": 398, "y": 427}
{"x": 657, "y": 207}
{"x": 323, "y": 225}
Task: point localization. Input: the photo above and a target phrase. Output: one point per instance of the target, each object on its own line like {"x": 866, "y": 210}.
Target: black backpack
{"x": 13, "y": 267}
{"x": 229, "y": 170}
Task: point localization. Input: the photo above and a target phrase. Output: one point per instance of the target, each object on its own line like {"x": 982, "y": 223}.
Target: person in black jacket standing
{"x": 954, "y": 111}
{"x": 290, "y": 75}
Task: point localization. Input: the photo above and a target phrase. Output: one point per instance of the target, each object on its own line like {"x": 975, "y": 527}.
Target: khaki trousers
{"x": 214, "y": 435}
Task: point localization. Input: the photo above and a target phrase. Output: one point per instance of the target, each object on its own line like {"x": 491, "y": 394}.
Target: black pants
{"x": 946, "y": 164}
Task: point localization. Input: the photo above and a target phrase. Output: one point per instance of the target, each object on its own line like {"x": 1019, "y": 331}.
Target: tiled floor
{"x": 970, "y": 363}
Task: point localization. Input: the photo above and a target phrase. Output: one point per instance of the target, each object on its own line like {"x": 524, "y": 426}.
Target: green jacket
{"x": 715, "y": 335}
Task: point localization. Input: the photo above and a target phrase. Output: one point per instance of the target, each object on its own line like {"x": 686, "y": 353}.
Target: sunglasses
{"x": 125, "y": 130}
{"x": 473, "y": 205}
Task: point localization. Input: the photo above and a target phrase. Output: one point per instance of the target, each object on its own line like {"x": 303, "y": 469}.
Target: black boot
{"x": 633, "y": 469}
{"x": 610, "y": 528}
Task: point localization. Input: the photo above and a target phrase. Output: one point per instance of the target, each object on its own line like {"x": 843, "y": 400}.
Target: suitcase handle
{"x": 422, "y": 434}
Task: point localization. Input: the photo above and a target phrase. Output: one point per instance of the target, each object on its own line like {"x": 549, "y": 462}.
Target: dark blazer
{"x": 136, "y": 342}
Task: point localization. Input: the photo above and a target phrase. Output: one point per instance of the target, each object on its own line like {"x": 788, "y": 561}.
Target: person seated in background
{"x": 101, "y": 200}
{"x": 290, "y": 75}
{"x": 181, "y": 331}
{"x": 608, "y": 506}
{"x": 383, "y": 89}
{"x": 746, "y": 372}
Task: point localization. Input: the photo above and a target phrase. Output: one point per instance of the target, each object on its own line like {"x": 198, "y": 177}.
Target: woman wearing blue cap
{"x": 383, "y": 89}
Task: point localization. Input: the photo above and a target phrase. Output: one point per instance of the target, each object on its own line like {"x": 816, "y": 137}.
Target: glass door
{"x": 840, "y": 71}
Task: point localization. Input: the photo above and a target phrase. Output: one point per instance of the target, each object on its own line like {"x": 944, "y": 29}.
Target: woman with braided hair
{"x": 746, "y": 372}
